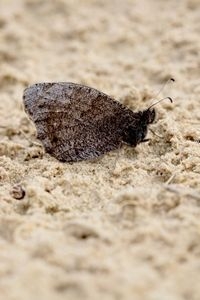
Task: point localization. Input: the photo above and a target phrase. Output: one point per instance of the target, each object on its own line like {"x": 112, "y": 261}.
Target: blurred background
{"x": 108, "y": 44}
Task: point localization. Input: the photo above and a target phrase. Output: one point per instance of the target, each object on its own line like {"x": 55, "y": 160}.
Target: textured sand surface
{"x": 89, "y": 230}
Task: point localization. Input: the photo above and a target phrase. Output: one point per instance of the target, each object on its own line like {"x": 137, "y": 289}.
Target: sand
{"x": 124, "y": 226}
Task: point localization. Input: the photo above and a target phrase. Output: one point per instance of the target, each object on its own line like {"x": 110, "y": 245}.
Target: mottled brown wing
{"x": 75, "y": 122}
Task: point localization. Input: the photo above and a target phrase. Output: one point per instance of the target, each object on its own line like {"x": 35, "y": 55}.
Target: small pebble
{"x": 18, "y": 192}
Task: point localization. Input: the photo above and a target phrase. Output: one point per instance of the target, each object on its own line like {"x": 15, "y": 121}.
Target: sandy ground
{"x": 88, "y": 230}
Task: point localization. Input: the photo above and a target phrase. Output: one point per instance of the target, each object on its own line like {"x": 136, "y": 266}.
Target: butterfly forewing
{"x": 76, "y": 122}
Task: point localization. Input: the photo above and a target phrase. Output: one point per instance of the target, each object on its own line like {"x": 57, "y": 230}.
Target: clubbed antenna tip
{"x": 170, "y": 99}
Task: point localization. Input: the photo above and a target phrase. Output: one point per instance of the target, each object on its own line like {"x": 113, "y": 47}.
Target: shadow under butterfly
{"x": 75, "y": 122}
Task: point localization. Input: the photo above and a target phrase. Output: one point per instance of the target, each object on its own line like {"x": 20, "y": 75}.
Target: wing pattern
{"x": 75, "y": 122}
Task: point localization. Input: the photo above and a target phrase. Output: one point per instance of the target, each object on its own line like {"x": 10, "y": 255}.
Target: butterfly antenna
{"x": 163, "y": 87}
{"x": 170, "y": 99}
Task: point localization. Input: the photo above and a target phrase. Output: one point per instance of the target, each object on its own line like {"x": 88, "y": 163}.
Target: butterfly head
{"x": 137, "y": 130}
{"x": 147, "y": 116}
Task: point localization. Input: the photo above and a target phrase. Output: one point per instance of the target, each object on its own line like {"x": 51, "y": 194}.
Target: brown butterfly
{"x": 75, "y": 122}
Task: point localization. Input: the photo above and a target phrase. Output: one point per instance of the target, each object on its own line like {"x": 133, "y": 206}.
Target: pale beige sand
{"x": 89, "y": 230}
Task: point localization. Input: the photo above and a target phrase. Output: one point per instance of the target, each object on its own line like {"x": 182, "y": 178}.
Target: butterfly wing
{"x": 75, "y": 122}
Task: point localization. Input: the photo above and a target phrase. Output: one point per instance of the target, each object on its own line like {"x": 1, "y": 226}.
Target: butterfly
{"x": 75, "y": 122}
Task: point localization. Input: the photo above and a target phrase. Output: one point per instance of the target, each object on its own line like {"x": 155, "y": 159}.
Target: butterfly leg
{"x": 145, "y": 140}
